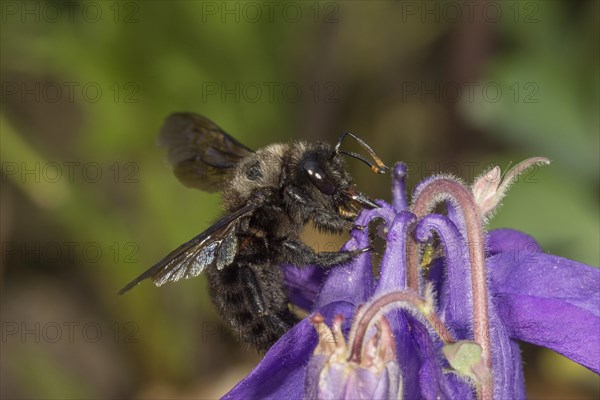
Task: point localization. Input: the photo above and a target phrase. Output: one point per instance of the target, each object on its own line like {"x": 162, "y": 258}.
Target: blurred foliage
{"x": 364, "y": 67}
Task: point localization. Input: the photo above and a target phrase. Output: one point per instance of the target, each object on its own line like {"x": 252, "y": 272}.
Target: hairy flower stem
{"x": 406, "y": 300}
{"x": 435, "y": 191}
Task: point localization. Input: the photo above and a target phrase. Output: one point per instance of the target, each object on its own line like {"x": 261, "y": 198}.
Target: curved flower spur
{"x": 446, "y": 331}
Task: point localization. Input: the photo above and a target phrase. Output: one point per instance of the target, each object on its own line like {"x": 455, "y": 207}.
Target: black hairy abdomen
{"x": 252, "y": 301}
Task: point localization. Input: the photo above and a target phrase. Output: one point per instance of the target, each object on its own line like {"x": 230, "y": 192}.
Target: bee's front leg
{"x": 299, "y": 205}
{"x": 297, "y": 253}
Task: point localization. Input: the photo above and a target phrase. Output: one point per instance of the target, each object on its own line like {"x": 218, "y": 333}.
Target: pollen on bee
{"x": 345, "y": 213}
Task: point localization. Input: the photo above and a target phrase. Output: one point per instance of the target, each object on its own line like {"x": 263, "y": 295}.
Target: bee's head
{"x": 321, "y": 169}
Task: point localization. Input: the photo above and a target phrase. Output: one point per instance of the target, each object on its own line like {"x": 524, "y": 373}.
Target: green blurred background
{"x": 89, "y": 202}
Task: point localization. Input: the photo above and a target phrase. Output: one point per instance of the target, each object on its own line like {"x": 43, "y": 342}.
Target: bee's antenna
{"x": 361, "y": 158}
{"x": 379, "y": 168}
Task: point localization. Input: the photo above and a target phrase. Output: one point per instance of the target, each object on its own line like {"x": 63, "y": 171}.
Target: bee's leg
{"x": 252, "y": 290}
{"x": 264, "y": 294}
{"x": 332, "y": 222}
{"x": 299, "y": 204}
{"x": 299, "y": 254}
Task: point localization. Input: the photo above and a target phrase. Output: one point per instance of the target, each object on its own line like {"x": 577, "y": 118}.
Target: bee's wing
{"x": 200, "y": 152}
{"x": 215, "y": 246}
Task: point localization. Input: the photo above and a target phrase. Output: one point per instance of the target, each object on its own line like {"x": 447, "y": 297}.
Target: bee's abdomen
{"x": 252, "y": 301}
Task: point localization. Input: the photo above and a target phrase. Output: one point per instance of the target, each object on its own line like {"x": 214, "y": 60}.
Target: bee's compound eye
{"x": 318, "y": 177}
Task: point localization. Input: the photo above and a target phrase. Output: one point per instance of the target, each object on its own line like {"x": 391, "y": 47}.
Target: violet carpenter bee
{"x": 269, "y": 195}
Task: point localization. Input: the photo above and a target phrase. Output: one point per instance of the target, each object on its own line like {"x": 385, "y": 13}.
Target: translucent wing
{"x": 200, "y": 152}
{"x": 215, "y": 246}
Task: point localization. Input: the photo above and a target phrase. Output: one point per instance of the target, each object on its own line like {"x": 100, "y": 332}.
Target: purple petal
{"x": 562, "y": 327}
{"x": 407, "y": 356}
{"x": 455, "y": 288}
{"x": 519, "y": 378}
{"x": 505, "y": 240}
{"x": 506, "y": 360}
{"x": 548, "y": 276}
{"x": 393, "y": 265}
{"x": 303, "y": 284}
{"x": 550, "y": 301}
{"x": 399, "y": 200}
{"x": 419, "y": 358}
{"x": 281, "y": 373}
{"x": 353, "y": 282}
{"x": 434, "y": 384}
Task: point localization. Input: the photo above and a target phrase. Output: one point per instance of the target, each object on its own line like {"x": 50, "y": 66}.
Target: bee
{"x": 269, "y": 195}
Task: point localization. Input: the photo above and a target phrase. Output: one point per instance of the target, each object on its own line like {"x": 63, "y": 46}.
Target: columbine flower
{"x": 443, "y": 317}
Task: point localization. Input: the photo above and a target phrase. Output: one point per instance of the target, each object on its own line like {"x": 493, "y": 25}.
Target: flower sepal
{"x": 490, "y": 188}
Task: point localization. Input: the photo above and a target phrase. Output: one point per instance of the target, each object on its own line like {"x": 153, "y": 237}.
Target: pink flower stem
{"x": 407, "y": 300}
{"x": 435, "y": 191}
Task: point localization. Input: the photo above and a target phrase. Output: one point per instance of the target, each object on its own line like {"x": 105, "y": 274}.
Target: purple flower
{"x": 443, "y": 317}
